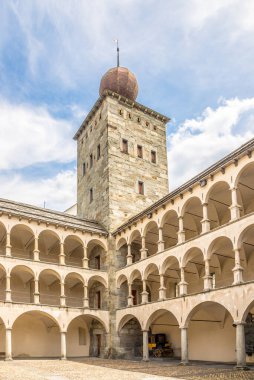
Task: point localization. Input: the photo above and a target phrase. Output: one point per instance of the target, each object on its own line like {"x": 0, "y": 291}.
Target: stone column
{"x": 36, "y": 291}
{"x": 144, "y": 293}
{"x": 162, "y": 289}
{"x": 161, "y": 242}
{"x": 143, "y": 250}
{"x": 8, "y": 289}
{"x": 130, "y": 296}
{"x": 207, "y": 277}
{"x": 238, "y": 269}
{"x": 63, "y": 345}
{"x": 62, "y": 255}
{"x": 85, "y": 299}
{"x": 182, "y": 284}
{"x": 235, "y": 207}
{"x": 85, "y": 258}
{"x": 129, "y": 255}
{"x": 240, "y": 346}
{"x": 36, "y": 251}
{"x": 145, "y": 346}
{"x": 8, "y": 244}
{"x": 205, "y": 221}
{"x": 184, "y": 346}
{"x": 62, "y": 296}
{"x": 8, "y": 345}
{"x": 181, "y": 232}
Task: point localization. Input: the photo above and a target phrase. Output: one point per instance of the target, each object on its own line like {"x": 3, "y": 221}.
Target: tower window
{"x": 147, "y": 124}
{"x": 140, "y": 151}
{"x": 91, "y": 161}
{"x": 98, "y": 152}
{"x": 138, "y": 119}
{"x": 91, "y": 195}
{"x": 84, "y": 168}
{"x": 141, "y": 187}
{"x": 153, "y": 157}
{"x": 124, "y": 146}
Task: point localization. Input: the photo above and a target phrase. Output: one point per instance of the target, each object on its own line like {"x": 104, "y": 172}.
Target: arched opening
{"x": 22, "y": 284}
{"x": 122, "y": 252}
{"x": 246, "y": 246}
{"x": 96, "y": 254}
{"x": 97, "y": 293}
{"x": 170, "y": 229}
{"x": 152, "y": 279}
{"x": 164, "y": 333}
{"x": 122, "y": 291}
{"x": 192, "y": 216}
{"x": 131, "y": 338}
{"x": 219, "y": 202}
{"x": 171, "y": 273}
{"x": 151, "y": 238}
{"x": 2, "y": 283}
{"x": 35, "y": 334}
{"x": 136, "y": 245}
{"x": 248, "y": 318}
{"x": 74, "y": 251}
{"x": 2, "y": 239}
{"x": 2, "y": 338}
{"x": 211, "y": 333}
{"x": 136, "y": 287}
{"x": 85, "y": 336}
{"x": 22, "y": 242}
{"x": 194, "y": 270}
{"x": 222, "y": 261}
{"x": 74, "y": 290}
{"x": 49, "y": 247}
{"x": 245, "y": 189}
{"x": 49, "y": 287}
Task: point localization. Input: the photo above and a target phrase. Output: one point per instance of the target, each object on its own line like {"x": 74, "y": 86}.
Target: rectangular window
{"x": 91, "y": 161}
{"x": 141, "y": 187}
{"x": 84, "y": 168}
{"x": 124, "y": 146}
{"x": 98, "y": 152}
{"x": 91, "y": 195}
{"x": 140, "y": 151}
{"x": 82, "y": 336}
{"x": 153, "y": 157}
{"x": 134, "y": 295}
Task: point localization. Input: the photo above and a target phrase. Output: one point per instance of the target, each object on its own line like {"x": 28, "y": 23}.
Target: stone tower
{"x": 122, "y": 157}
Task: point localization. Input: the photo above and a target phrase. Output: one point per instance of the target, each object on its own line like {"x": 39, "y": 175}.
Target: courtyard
{"x": 94, "y": 368}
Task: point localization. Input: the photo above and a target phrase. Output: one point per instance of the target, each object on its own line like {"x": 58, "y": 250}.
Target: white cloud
{"x": 58, "y": 192}
{"x": 198, "y": 143}
{"x": 30, "y": 135}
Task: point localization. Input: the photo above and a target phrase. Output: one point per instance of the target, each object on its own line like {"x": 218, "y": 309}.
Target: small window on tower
{"x": 140, "y": 151}
{"x": 98, "y": 152}
{"x": 141, "y": 187}
{"x": 91, "y": 161}
{"x": 124, "y": 146}
{"x": 153, "y": 157}
{"x": 91, "y": 195}
{"x": 84, "y": 168}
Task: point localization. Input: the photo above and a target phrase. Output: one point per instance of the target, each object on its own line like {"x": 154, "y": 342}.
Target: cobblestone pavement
{"x": 94, "y": 369}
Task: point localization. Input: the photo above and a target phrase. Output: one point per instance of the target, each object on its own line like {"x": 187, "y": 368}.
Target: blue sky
{"x": 193, "y": 61}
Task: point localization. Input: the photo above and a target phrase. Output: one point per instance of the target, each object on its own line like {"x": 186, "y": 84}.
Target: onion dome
{"x": 120, "y": 80}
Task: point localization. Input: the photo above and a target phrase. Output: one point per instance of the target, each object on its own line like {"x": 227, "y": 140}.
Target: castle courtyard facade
{"x": 136, "y": 260}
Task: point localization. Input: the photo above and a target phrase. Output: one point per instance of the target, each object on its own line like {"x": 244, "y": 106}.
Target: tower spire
{"x": 117, "y": 50}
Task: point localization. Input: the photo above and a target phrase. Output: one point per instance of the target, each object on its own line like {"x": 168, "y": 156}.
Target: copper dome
{"x": 121, "y": 81}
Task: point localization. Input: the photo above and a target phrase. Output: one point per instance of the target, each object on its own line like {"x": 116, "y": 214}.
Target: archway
{"x": 121, "y": 253}
{"x": 2, "y": 239}
{"x": 22, "y": 284}
{"x": 171, "y": 273}
{"x": 122, "y": 291}
{"x": 2, "y": 338}
{"x": 192, "y": 216}
{"x": 131, "y": 337}
{"x": 35, "y": 334}
{"x": 170, "y": 228}
{"x": 22, "y": 241}
{"x": 74, "y": 290}
{"x": 49, "y": 287}
{"x": 74, "y": 251}
{"x": 97, "y": 293}
{"x": 246, "y": 246}
{"x": 96, "y": 254}
{"x": 151, "y": 238}
{"x": 2, "y": 283}
{"x": 136, "y": 287}
{"x": 152, "y": 278}
{"x": 219, "y": 202}
{"x": 222, "y": 262}
{"x": 245, "y": 189}
{"x": 136, "y": 245}
{"x": 49, "y": 246}
{"x": 194, "y": 270}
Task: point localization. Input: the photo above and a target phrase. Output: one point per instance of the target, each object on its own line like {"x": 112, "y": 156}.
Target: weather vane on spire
{"x": 117, "y": 49}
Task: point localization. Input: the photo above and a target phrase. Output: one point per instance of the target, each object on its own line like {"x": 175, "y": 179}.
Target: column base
{"x": 63, "y": 358}
{"x": 161, "y": 246}
{"x": 235, "y": 212}
{"x": 183, "y": 288}
{"x": 129, "y": 260}
{"x": 143, "y": 253}
{"x": 242, "y": 368}
{"x": 145, "y": 360}
{"x": 184, "y": 363}
{"x": 144, "y": 296}
{"x": 238, "y": 275}
{"x": 8, "y": 359}
{"x": 130, "y": 301}
{"x": 207, "y": 283}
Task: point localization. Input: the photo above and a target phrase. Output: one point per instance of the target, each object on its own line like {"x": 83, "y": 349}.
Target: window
{"x": 138, "y": 119}
{"x": 84, "y": 168}
{"x": 153, "y": 157}
{"x": 97, "y": 260}
{"x": 140, "y": 151}
{"x": 98, "y": 300}
{"x": 82, "y": 336}
{"x": 141, "y": 187}
{"x": 91, "y": 161}
{"x": 91, "y": 195}
{"x": 147, "y": 124}
{"x": 124, "y": 146}
{"x": 98, "y": 152}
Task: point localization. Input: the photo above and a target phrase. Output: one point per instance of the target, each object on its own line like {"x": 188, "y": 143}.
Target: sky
{"x": 193, "y": 60}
